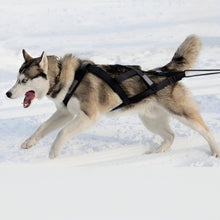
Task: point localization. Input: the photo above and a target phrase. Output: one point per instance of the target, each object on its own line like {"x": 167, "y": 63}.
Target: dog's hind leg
{"x": 195, "y": 121}
{"x": 80, "y": 123}
{"x": 159, "y": 125}
{"x": 186, "y": 110}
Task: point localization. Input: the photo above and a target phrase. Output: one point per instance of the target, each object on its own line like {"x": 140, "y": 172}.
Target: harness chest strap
{"x": 79, "y": 74}
{"x": 114, "y": 83}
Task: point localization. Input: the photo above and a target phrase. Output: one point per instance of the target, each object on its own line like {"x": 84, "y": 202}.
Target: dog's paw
{"x": 216, "y": 154}
{"x": 53, "y": 154}
{"x": 30, "y": 142}
{"x": 160, "y": 150}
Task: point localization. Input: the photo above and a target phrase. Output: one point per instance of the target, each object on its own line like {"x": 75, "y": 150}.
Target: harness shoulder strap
{"x": 110, "y": 81}
{"x": 79, "y": 74}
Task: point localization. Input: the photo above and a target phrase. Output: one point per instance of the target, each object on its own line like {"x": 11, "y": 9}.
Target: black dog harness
{"x": 114, "y": 82}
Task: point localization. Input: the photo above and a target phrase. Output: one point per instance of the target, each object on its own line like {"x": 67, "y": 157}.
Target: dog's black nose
{"x": 9, "y": 94}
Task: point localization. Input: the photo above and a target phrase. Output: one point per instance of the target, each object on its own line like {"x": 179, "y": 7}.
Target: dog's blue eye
{"x": 24, "y": 80}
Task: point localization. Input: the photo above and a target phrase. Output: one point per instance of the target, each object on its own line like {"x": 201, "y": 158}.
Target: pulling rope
{"x": 207, "y": 72}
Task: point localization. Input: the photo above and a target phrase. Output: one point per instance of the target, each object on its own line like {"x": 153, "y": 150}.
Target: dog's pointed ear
{"x": 26, "y": 56}
{"x": 43, "y": 62}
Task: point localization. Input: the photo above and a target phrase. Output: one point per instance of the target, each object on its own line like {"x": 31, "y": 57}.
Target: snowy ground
{"x": 104, "y": 172}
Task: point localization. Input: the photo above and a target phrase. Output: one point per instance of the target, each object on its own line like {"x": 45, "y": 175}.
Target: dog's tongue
{"x": 29, "y": 96}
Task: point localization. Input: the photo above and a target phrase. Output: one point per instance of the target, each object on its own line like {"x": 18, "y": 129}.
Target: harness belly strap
{"x": 114, "y": 83}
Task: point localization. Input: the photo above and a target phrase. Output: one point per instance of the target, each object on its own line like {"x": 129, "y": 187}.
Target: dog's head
{"x": 32, "y": 80}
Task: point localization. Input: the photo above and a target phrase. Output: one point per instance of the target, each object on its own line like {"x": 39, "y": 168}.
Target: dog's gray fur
{"x": 52, "y": 77}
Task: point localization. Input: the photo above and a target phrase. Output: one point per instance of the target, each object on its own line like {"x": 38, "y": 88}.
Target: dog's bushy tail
{"x": 186, "y": 55}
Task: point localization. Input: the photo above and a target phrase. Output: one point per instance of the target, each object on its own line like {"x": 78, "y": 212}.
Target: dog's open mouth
{"x": 29, "y": 96}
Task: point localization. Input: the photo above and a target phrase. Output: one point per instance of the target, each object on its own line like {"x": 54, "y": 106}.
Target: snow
{"x": 105, "y": 173}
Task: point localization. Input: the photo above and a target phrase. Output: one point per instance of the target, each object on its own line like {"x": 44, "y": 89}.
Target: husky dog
{"x": 52, "y": 77}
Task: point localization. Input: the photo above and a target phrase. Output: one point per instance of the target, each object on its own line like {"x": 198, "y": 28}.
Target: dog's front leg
{"x": 57, "y": 120}
{"x": 80, "y": 123}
